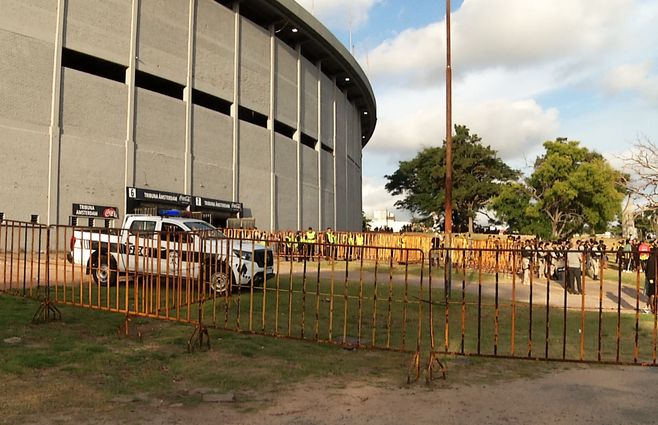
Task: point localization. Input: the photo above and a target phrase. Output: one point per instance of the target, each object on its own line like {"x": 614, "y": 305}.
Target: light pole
{"x": 448, "y": 164}
{"x": 448, "y": 182}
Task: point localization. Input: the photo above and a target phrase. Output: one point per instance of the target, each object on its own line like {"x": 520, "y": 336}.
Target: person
{"x": 300, "y": 245}
{"x": 434, "y": 250}
{"x": 288, "y": 247}
{"x": 643, "y": 250}
{"x": 603, "y": 249}
{"x": 541, "y": 253}
{"x": 574, "y": 265}
{"x": 635, "y": 254}
{"x": 595, "y": 258}
{"x": 310, "y": 242}
{"x": 350, "y": 246}
{"x": 650, "y": 276}
{"x": 330, "y": 245}
{"x": 526, "y": 260}
{"x": 628, "y": 255}
{"x": 359, "y": 239}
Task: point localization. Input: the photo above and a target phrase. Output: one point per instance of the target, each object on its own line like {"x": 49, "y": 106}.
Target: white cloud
{"x": 413, "y": 57}
{"x": 513, "y": 128}
{"x": 341, "y": 14}
{"x": 375, "y": 196}
{"x": 523, "y": 72}
{"x": 633, "y": 78}
{"x": 521, "y": 32}
{"x": 409, "y": 121}
{"x": 501, "y": 34}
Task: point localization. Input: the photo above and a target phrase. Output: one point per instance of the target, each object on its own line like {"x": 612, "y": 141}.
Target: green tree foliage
{"x": 515, "y": 207}
{"x": 646, "y": 222}
{"x": 570, "y": 187}
{"x": 478, "y": 175}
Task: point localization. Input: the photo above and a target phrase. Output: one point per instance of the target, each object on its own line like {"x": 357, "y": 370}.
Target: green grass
{"x": 391, "y": 319}
{"x": 388, "y": 314}
{"x": 81, "y": 361}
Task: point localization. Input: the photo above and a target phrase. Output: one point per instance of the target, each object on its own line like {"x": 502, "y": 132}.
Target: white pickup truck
{"x": 170, "y": 246}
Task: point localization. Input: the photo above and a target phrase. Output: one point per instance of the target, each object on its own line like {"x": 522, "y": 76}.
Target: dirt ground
{"x": 571, "y": 394}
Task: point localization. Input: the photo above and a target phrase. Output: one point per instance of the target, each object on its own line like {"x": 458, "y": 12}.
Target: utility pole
{"x": 448, "y": 164}
{"x": 448, "y": 183}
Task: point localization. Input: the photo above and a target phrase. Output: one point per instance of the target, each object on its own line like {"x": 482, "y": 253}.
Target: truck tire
{"x": 102, "y": 272}
{"x": 220, "y": 279}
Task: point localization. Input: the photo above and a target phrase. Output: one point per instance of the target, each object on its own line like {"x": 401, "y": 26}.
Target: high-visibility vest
{"x": 331, "y": 238}
{"x": 310, "y": 236}
{"x": 359, "y": 239}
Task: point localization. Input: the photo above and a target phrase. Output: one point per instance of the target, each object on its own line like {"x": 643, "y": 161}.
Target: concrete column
{"x": 236, "y": 102}
{"x": 54, "y": 131}
{"x": 129, "y": 169}
{"x": 334, "y": 126}
{"x": 270, "y": 128}
{"x": 318, "y": 145}
{"x": 187, "y": 98}
{"x": 297, "y": 137}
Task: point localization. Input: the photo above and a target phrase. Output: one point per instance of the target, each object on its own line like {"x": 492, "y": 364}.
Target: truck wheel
{"x": 220, "y": 280}
{"x": 102, "y": 272}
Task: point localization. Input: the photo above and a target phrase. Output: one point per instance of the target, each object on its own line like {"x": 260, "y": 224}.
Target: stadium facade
{"x": 245, "y": 108}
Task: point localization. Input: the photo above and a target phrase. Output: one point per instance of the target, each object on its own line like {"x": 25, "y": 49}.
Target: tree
{"x": 477, "y": 177}
{"x": 570, "y": 187}
{"x": 516, "y": 207}
{"x": 642, "y": 182}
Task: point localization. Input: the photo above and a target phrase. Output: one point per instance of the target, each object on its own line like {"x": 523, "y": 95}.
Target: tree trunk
{"x": 470, "y": 219}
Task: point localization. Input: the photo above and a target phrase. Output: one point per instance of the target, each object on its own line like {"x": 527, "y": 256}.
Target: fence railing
{"x": 464, "y": 301}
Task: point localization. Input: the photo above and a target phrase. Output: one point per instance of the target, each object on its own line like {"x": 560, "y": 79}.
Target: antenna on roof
{"x": 349, "y": 26}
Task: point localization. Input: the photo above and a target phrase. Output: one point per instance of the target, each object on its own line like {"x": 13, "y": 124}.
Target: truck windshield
{"x": 205, "y": 228}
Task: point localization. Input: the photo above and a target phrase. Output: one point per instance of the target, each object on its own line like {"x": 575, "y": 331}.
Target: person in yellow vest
{"x": 359, "y": 239}
{"x": 330, "y": 244}
{"x": 350, "y": 246}
{"x": 343, "y": 243}
{"x": 287, "y": 247}
{"x": 402, "y": 257}
{"x": 310, "y": 239}
{"x": 299, "y": 245}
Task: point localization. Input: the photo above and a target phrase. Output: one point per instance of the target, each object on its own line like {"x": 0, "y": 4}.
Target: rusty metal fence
{"x": 483, "y": 302}
{"x": 497, "y": 303}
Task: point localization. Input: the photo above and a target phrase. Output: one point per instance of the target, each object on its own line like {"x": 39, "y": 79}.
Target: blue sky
{"x": 524, "y": 71}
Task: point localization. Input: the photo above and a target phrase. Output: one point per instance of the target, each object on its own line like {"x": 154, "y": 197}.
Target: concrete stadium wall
{"x": 72, "y": 134}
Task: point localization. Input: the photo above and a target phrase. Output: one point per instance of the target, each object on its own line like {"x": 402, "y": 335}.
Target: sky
{"x": 524, "y": 72}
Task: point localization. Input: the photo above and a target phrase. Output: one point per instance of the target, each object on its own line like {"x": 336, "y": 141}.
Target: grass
{"x": 387, "y": 314}
{"x": 82, "y": 364}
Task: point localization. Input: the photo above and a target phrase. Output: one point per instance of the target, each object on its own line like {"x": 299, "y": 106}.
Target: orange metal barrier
{"x": 459, "y": 301}
{"x": 519, "y": 309}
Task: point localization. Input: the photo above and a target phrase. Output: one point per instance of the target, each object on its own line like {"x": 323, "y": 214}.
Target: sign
{"x": 195, "y": 202}
{"x": 157, "y": 196}
{"x": 216, "y": 204}
{"x": 94, "y": 211}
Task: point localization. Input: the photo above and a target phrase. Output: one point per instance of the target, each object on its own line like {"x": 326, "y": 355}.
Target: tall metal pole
{"x": 448, "y": 165}
{"x": 448, "y": 183}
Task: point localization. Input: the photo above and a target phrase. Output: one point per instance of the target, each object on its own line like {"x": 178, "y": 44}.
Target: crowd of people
{"x": 328, "y": 245}
{"x": 563, "y": 261}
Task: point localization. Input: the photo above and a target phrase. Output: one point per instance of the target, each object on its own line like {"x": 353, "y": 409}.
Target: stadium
{"x": 230, "y": 109}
